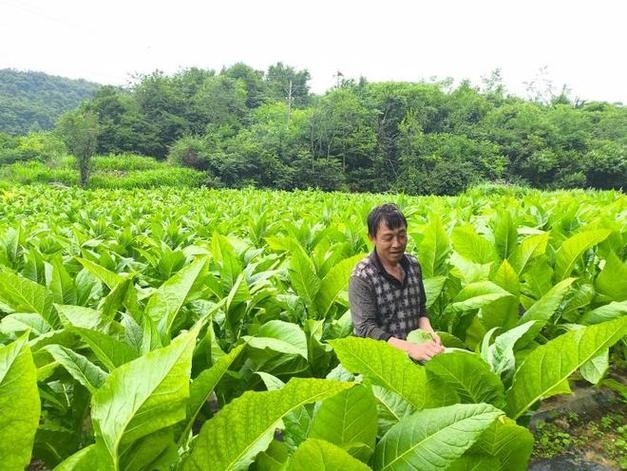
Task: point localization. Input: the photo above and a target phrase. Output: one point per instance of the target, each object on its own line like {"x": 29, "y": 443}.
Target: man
{"x": 386, "y": 292}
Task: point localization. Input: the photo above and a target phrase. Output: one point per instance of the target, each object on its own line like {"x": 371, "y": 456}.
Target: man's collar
{"x": 377, "y": 262}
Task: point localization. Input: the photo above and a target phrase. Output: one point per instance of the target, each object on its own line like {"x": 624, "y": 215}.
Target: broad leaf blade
{"x": 320, "y": 454}
{"x": 433, "y": 439}
{"x": 545, "y": 371}
{"x": 19, "y": 404}
{"x": 349, "y": 417}
{"x": 386, "y": 366}
{"x": 469, "y": 376}
{"x": 143, "y": 396}
{"x": 245, "y": 427}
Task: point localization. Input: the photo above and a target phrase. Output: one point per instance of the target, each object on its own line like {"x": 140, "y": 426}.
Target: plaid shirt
{"x": 382, "y": 306}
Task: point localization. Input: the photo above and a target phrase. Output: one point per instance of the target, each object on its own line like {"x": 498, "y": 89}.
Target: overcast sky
{"x": 581, "y": 43}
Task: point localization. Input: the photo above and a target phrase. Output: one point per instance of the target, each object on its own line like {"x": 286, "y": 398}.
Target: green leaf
{"x": 108, "y": 277}
{"x": 166, "y": 302}
{"x": 472, "y": 246}
{"x": 477, "y": 295}
{"x": 608, "y": 312}
{"x": 433, "y": 439}
{"x": 24, "y": 295}
{"x": 433, "y": 249}
{"x": 608, "y": 284}
{"x": 61, "y": 283}
{"x": 543, "y": 309}
{"x": 545, "y": 371}
{"x": 570, "y": 250}
{"x": 433, "y": 288}
{"x": 391, "y": 408}
{"x": 143, "y": 396}
{"x": 280, "y": 336}
{"x": 391, "y": 368}
{"x": 333, "y": 283}
{"x": 18, "y": 323}
{"x": 204, "y": 384}
{"x": 303, "y": 277}
{"x": 19, "y": 404}
{"x": 508, "y": 443}
{"x": 349, "y": 417}
{"x": 322, "y": 455}
{"x": 245, "y": 427}
{"x": 78, "y": 316}
{"x": 594, "y": 370}
{"x": 110, "y": 304}
{"x": 274, "y": 458}
{"x": 529, "y": 248}
{"x": 500, "y": 355}
{"x": 90, "y": 458}
{"x": 505, "y": 234}
{"x": 110, "y": 351}
{"x": 79, "y": 367}
{"x": 469, "y": 376}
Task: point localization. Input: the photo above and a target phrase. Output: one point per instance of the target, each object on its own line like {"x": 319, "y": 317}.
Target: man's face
{"x": 390, "y": 243}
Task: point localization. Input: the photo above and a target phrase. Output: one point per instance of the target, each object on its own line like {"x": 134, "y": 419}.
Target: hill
{"x": 32, "y": 101}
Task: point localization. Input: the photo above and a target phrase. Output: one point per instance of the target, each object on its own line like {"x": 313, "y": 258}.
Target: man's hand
{"x": 424, "y": 351}
{"x": 436, "y": 338}
{"x": 419, "y": 352}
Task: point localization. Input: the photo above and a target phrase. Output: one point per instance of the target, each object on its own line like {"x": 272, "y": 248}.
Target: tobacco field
{"x": 209, "y": 329}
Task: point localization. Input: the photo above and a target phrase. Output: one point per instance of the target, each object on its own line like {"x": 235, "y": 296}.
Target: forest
{"x": 243, "y": 127}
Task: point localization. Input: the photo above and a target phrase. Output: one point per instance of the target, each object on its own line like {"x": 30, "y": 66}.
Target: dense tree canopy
{"x": 248, "y": 127}
{"x": 32, "y": 101}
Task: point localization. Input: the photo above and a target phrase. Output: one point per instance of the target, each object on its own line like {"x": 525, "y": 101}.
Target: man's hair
{"x": 387, "y": 213}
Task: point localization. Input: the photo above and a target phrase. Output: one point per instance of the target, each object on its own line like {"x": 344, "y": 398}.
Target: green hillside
{"x": 32, "y": 101}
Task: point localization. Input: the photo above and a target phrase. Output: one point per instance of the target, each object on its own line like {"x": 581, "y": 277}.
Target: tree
{"x": 79, "y": 130}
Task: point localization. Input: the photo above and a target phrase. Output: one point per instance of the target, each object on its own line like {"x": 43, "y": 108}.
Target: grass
{"x": 124, "y": 171}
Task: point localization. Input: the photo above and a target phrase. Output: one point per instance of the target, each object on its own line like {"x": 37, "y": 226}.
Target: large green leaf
{"x": 609, "y": 283}
{"x": 570, "y": 250}
{"x": 469, "y": 376}
{"x": 110, "y": 351}
{"x": 108, "y": 277}
{"x": 348, "y": 418}
{"x": 60, "y": 283}
{"x": 19, "y": 404}
{"x": 204, "y": 384}
{"x": 505, "y": 234}
{"x": 79, "y": 316}
{"x": 433, "y": 288}
{"x": 245, "y": 427}
{"x": 543, "y": 309}
{"x": 472, "y": 246}
{"x": 433, "y": 439}
{"x": 166, "y": 302}
{"x": 280, "y": 336}
{"x": 477, "y": 295}
{"x": 391, "y": 408}
{"x": 433, "y": 249}
{"x": 500, "y": 355}
{"x": 24, "y": 295}
{"x": 303, "y": 276}
{"x": 507, "y": 444}
{"x": 529, "y": 248}
{"x": 545, "y": 371}
{"x": 322, "y": 455}
{"x": 608, "y": 312}
{"x": 333, "y": 283}
{"x": 79, "y": 367}
{"x": 391, "y": 368}
{"x": 143, "y": 396}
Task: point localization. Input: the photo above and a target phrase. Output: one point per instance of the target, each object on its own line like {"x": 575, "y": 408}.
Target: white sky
{"x": 582, "y": 43}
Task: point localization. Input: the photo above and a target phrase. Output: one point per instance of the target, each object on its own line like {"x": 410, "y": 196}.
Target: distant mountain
{"x": 31, "y": 101}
